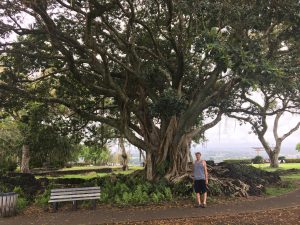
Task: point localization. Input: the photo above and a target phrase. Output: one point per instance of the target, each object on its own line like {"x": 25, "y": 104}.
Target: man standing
{"x": 200, "y": 179}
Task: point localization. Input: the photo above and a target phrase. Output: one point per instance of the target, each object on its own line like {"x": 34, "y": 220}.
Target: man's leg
{"x": 204, "y": 198}
{"x": 198, "y": 198}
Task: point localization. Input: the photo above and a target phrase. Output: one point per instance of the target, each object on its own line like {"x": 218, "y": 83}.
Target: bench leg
{"x": 94, "y": 203}
{"x": 74, "y": 205}
{"x": 55, "y": 206}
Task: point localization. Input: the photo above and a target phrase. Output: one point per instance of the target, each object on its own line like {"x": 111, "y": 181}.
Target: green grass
{"x": 289, "y": 181}
{"x": 276, "y": 191}
{"x": 283, "y": 166}
{"x": 90, "y": 175}
{"x": 291, "y": 177}
{"x": 87, "y": 168}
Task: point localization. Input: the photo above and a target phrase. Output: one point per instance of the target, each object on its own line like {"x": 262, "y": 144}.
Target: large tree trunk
{"x": 169, "y": 159}
{"x": 274, "y": 159}
{"x": 25, "y": 159}
{"x": 169, "y": 164}
{"x": 149, "y": 166}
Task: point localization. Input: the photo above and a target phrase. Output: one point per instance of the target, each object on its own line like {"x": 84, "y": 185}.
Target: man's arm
{"x": 192, "y": 175}
{"x": 206, "y": 173}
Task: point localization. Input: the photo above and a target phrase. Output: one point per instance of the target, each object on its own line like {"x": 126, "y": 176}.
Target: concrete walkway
{"x": 108, "y": 216}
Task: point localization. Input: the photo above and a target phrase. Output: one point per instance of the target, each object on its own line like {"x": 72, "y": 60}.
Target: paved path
{"x": 105, "y": 215}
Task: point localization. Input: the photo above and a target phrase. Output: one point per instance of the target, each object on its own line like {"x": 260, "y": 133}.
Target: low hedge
{"x": 238, "y": 161}
{"x": 292, "y": 160}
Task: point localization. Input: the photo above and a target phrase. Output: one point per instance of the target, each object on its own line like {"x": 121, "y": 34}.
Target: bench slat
{"x": 75, "y": 199}
{"x": 74, "y": 189}
{"x": 75, "y": 196}
{"x": 75, "y": 192}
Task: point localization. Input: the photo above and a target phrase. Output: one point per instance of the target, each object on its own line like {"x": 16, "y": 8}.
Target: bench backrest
{"x": 74, "y": 194}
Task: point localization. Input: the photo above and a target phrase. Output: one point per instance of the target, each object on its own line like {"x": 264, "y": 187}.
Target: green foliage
{"x": 154, "y": 198}
{"x": 182, "y": 189}
{"x": 258, "y": 160}
{"x": 3, "y": 188}
{"x": 22, "y": 203}
{"x": 10, "y": 144}
{"x": 42, "y": 199}
{"x": 19, "y": 191}
{"x": 283, "y": 188}
{"x": 215, "y": 188}
{"x": 282, "y": 158}
{"x": 10, "y": 137}
{"x": 7, "y": 165}
{"x": 298, "y": 147}
{"x": 168, "y": 194}
{"x": 95, "y": 154}
{"x": 47, "y": 145}
{"x": 168, "y": 105}
{"x": 185, "y": 59}
{"x": 136, "y": 192}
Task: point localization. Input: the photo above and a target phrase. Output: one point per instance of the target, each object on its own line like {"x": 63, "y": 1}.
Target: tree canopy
{"x": 159, "y": 72}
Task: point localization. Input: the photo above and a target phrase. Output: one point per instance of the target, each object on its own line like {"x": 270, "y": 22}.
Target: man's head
{"x": 198, "y": 155}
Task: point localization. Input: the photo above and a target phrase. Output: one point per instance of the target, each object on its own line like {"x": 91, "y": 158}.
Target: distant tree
{"x": 281, "y": 158}
{"x": 255, "y": 107}
{"x": 258, "y": 160}
{"x": 10, "y": 144}
{"x": 94, "y": 154}
{"x": 298, "y": 147}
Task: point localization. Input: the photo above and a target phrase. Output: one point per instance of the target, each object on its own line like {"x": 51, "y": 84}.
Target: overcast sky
{"x": 228, "y": 133}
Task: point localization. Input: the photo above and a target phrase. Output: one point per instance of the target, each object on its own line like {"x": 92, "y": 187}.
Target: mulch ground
{"x": 284, "y": 209}
{"x": 287, "y": 216}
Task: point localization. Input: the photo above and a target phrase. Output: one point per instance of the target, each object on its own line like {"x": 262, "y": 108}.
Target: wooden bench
{"x": 74, "y": 195}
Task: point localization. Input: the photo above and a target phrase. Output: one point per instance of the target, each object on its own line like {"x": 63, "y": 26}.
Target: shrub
{"x": 7, "y": 166}
{"x": 168, "y": 194}
{"x": 133, "y": 190}
{"x": 19, "y": 191}
{"x": 183, "y": 188}
{"x": 258, "y": 160}
{"x": 22, "y": 203}
{"x": 127, "y": 197}
{"x": 154, "y": 198}
{"x": 42, "y": 199}
{"x": 215, "y": 188}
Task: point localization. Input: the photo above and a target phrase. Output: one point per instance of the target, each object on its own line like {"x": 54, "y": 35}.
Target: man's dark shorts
{"x": 200, "y": 186}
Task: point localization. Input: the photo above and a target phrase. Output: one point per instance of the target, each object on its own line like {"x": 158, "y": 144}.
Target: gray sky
{"x": 229, "y": 133}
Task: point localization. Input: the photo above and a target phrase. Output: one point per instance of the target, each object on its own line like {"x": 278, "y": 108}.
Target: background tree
{"x": 298, "y": 147}
{"x": 10, "y": 144}
{"x": 165, "y": 69}
{"x": 255, "y": 109}
{"x": 96, "y": 155}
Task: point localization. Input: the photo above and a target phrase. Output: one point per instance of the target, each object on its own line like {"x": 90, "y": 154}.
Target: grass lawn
{"x": 291, "y": 177}
{"x": 290, "y": 183}
{"x": 87, "y": 168}
{"x": 283, "y": 166}
{"x": 275, "y": 191}
{"x": 290, "y": 180}
{"x": 89, "y": 175}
